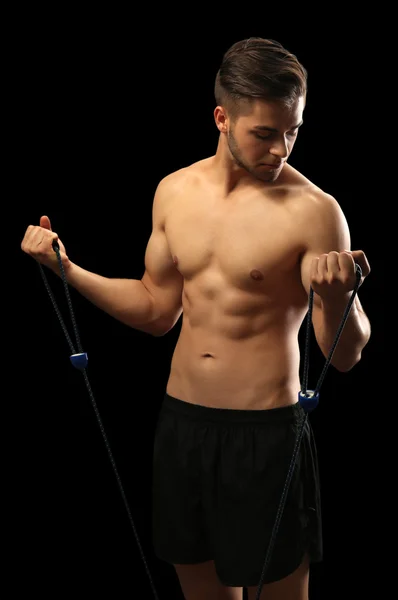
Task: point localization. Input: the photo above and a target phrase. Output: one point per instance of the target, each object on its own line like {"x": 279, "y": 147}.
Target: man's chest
{"x": 246, "y": 246}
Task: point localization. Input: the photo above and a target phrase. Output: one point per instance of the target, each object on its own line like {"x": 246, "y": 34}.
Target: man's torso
{"x": 243, "y": 300}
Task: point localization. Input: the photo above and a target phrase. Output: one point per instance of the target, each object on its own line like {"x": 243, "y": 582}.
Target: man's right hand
{"x": 38, "y": 243}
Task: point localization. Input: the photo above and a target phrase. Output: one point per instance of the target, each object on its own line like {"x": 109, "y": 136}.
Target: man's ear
{"x": 220, "y": 119}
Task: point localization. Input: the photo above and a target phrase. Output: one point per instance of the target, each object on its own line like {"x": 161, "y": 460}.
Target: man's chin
{"x": 266, "y": 177}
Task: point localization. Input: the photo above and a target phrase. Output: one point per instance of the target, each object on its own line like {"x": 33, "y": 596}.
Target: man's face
{"x": 260, "y": 141}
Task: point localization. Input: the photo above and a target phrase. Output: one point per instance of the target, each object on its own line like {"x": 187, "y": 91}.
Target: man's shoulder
{"x": 310, "y": 195}
{"x": 321, "y": 216}
{"x": 315, "y": 211}
{"x": 183, "y": 175}
{"x": 177, "y": 185}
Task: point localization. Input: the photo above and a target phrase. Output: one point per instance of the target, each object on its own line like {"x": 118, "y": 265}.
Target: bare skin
{"x": 233, "y": 248}
{"x": 243, "y": 299}
{"x": 201, "y": 581}
{"x": 243, "y": 246}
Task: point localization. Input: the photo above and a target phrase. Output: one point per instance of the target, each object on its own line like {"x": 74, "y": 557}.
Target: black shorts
{"x": 218, "y": 476}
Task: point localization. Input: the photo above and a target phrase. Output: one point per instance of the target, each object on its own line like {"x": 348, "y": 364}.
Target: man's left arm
{"x": 330, "y": 269}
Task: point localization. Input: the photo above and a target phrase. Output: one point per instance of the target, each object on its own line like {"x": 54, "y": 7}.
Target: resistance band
{"x": 308, "y": 399}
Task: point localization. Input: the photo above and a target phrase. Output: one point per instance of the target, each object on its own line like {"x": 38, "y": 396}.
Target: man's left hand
{"x": 333, "y": 275}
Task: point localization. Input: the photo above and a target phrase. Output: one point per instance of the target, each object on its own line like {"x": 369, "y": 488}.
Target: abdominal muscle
{"x": 245, "y": 362}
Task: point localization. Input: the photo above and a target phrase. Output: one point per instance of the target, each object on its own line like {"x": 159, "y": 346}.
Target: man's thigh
{"x": 200, "y": 582}
{"x": 293, "y": 587}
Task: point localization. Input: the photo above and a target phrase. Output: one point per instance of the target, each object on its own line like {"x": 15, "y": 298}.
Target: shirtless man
{"x": 238, "y": 239}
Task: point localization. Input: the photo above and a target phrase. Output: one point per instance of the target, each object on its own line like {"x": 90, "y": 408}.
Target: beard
{"x": 240, "y": 162}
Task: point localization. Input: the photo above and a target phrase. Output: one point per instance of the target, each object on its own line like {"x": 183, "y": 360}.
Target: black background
{"x": 104, "y": 106}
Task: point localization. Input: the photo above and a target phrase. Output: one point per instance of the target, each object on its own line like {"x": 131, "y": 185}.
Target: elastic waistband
{"x": 228, "y": 415}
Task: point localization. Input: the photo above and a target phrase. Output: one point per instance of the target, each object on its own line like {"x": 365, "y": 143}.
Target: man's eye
{"x": 266, "y": 137}
{"x": 262, "y": 137}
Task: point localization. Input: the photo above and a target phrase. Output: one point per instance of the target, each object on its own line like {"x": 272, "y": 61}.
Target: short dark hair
{"x": 258, "y": 68}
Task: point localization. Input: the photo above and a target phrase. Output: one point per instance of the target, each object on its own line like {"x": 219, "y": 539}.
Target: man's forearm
{"x": 353, "y": 338}
{"x": 127, "y": 300}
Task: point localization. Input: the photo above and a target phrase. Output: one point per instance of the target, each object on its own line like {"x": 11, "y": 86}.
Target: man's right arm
{"x": 152, "y": 304}
{"x": 127, "y": 300}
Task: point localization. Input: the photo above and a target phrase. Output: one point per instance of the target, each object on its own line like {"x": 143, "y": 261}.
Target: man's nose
{"x": 279, "y": 148}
